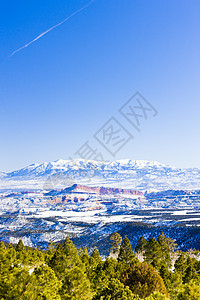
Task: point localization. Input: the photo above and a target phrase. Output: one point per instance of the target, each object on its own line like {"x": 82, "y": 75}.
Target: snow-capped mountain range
{"x": 89, "y": 200}
{"x": 67, "y": 166}
{"x": 135, "y": 174}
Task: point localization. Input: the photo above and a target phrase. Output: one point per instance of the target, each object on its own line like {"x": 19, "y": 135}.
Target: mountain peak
{"x": 125, "y": 173}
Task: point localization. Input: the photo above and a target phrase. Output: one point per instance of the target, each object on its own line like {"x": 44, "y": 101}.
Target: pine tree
{"x": 115, "y": 290}
{"x": 140, "y": 248}
{"x": 110, "y": 267}
{"x": 11, "y": 254}
{"x": 18, "y": 284}
{"x": 20, "y": 247}
{"x": 115, "y": 242}
{"x": 95, "y": 258}
{"x": 190, "y": 291}
{"x": 4, "y": 261}
{"x": 153, "y": 252}
{"x": 125, "y": 253}
{"x": 181, "y": 263}
{"x": 47, "y": 284}
{"x": 84, "y": 256}
{"x": 20, "y": 252}
{"x": 50, "y": 251}
{"x": 164, "y": 273}
{"x": 143, "y": 280}
{"x": 2, "y": 247}
{"x": 167, "y": 246}
{"x": 33, "y": 257}
{"x": 65, "y": 257}
{"x": 190, "y": 273}
{"x": 76, "y": 285}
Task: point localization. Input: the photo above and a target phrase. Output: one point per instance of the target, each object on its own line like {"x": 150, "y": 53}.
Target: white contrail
{"x": 50, "y": 29}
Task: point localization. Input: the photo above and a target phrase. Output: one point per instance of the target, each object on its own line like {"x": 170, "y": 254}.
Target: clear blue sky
{"x": 56, "y": 93}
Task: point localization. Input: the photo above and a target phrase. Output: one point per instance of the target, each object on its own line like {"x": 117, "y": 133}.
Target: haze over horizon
{"x": 57, "y": 93}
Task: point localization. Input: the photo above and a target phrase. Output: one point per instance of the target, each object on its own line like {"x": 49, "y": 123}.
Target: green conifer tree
{"x": 84, "y": 256}
{"x": 4, "y": 261}
{"x": 141, "y": 244}
{"x": 181, "y": 263}
{"x": 153, "y": 253}
{"x": 95, "y": 258}
{"x": 125, "y": 253}
{"x": 65, "y": 257}
{"x": 143, "y": 280}
{"x": 47, "y": 284}
{"x": 116, "y": 290}
{"x": 168, "y": 246}
{"x": 76, "y": 285}
{"x": 20, "y": 247}
{"x": 115, "y": 242}
{"x": 190, "y": 291}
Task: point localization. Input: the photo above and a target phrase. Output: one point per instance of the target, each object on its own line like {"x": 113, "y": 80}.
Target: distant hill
{"x": 78, "y": 188}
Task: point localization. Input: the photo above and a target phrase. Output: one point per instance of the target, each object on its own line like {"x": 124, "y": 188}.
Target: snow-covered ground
{"x": 170, "y": 197}
{"x": 38, "y": 218}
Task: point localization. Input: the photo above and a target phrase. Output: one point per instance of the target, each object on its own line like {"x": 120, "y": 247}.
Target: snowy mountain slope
{"x": 136, "y": 174}
{"x": 75, "y": 166}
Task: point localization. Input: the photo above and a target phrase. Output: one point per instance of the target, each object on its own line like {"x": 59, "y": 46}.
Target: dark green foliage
{"x": 143, "y": 280}
{"x": 20, "y": 247}
{"x": 116, "y": 290}
{"x": 153, "y": 253}
{"x": 140, "y": 248}
{"x": 168, "y": 246}
{"x": 20, "y": 284}
{"x": 50, "y": 251}
{"x": 166, "y": 243}
{"x": 95, "y": 258}
{"x": 76, "y": 285}
{"x": 125, "y": 253}
{"x": 47, "y": 284}
{"x": 110, "y": 267}
{"x": 115, "y": 241}
{"x": 5, "y": 259}
{"x": 65, "y": 257}
{"x": 190, "y": 273}
{"x": 181, "y": 263}
{"x": 17, "y": 283}
{"x": 63, "y": 273}
{"x": 84, "y": 256}
{"x": 190, "y": 292}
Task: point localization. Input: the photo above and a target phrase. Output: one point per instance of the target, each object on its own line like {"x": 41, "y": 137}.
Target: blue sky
{"x": 56, "y": 93}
